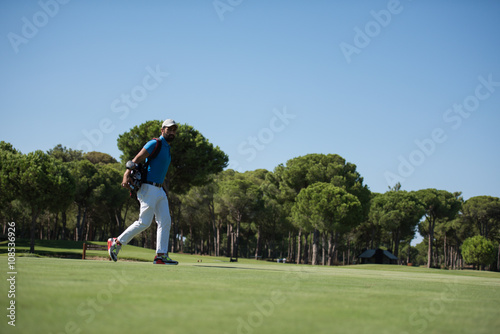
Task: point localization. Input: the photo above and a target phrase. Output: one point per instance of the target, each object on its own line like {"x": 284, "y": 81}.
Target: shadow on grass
{"x": 242, "y": 268}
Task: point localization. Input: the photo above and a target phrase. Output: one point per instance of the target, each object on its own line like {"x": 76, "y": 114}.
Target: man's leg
{"x": 164, "y": 222}
{"x": 145, "y": 216}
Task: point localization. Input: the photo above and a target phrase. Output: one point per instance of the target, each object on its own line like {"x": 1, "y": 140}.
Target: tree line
{"x": 314, "y": 209}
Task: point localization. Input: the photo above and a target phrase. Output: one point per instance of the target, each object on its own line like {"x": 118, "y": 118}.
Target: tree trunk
{"x": 289, "y": 246}
{"x": 34, "y": 215}
{"x": 218, "y": 240}
{"x": 118, "y": 223}
{"x": 323, "y": 248}
{"x": 408, "y": 254}
{"x": 55, "y": 229}
{"x": 498, "y": 258}
{"x": 330, "y": 249}
{"x": 64, "y": 219}
{"x": 87, "y": 232}
{"x": 84, "y": 222}
{"x": 233, "y": 242}
{"x": 214, "y": 224}
{"x": 229, "y": 246}
{"x": 191, "y": 248}
{"x": 299, "y": 245}
{"x": 431, "y": 238}
{"x": 452, "y": 257}
{"x": 310, "y": 249}
{"x": 237, "y": 235}
{"x": 78, "y": 222}
{"x": 215, "y": 231}
{"x": 335, "y": 248}
{"x": 177, "y": 224}
{"x": 181, "y": 241}
{"x": 396, "y": 244}
{"x": 257, "y": 248}
{"x": 315, "y": 247}
{"x": 373, "y": 237}
{"x": 445, "y": 251}
{"x": 306, "y": 249}
{"x": 348, "y": 250}
{"x": 49, "y": 230}
{"x": 210, "y": 239}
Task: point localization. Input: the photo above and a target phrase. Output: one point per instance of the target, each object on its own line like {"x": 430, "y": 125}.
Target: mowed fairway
{"x": 91, "y": 296}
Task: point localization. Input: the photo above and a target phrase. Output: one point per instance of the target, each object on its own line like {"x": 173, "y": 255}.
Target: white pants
{"x": 153, "y": 202}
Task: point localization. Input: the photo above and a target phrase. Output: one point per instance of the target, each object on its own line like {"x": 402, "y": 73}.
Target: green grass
{"x": 214, "y": 296}
{"x": 74, "y": 249}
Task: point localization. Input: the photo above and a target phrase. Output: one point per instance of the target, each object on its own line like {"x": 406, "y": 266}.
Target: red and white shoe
{"x": 113, "y": 248}
{"x": 164, "y": 259}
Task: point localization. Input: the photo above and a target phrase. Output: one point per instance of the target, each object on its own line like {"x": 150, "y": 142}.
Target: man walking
{"x": 152, "y": 198}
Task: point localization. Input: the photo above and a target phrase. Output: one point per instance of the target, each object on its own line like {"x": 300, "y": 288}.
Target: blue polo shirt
{"x": 157, "y": 169}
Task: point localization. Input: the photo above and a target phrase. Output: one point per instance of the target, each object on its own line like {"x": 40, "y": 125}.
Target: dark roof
{"x": 369, "y": 253}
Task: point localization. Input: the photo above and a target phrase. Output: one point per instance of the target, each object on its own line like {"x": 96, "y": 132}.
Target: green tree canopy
{"x": 323, "y": 207}
{"x": 483, "y": 213}
{"x": 327, "y": 207}
{"x": 397, "y": 212}
{"x": 7, "y": 147}
{"x": 8, "y": 172}
{"x": 42, "y": 182}
{"x": 303, "y": 171}
{"x": 478, "y": 250}
{"x": 65, "y": 154}
{"x": 99, "y": 157}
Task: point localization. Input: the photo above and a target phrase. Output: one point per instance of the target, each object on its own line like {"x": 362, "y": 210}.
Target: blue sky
{"x": 408, "y": 91}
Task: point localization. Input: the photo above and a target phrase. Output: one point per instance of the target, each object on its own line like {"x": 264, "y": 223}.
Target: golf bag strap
{"x": 156, "y": 150}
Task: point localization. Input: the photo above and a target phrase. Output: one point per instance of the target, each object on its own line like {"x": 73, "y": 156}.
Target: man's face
{"x": 169, "y": 133}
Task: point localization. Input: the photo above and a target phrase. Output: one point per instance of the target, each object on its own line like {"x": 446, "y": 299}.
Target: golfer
{"x": 152, "y": 198}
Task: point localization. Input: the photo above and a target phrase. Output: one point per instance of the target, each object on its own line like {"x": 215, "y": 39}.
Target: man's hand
{"x": 126, "y": 180}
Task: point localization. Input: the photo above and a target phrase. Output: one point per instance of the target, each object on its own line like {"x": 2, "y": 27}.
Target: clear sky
{"x": 408, "y": 91}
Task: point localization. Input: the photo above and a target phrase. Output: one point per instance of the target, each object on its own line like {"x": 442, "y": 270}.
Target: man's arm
{"x": 140, "y": 157}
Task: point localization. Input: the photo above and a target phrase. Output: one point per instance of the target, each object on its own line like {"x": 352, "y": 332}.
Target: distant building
{"x": 377, "y": 256}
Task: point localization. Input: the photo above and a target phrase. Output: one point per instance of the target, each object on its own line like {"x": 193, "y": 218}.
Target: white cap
{"x": 168, "y": 123}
